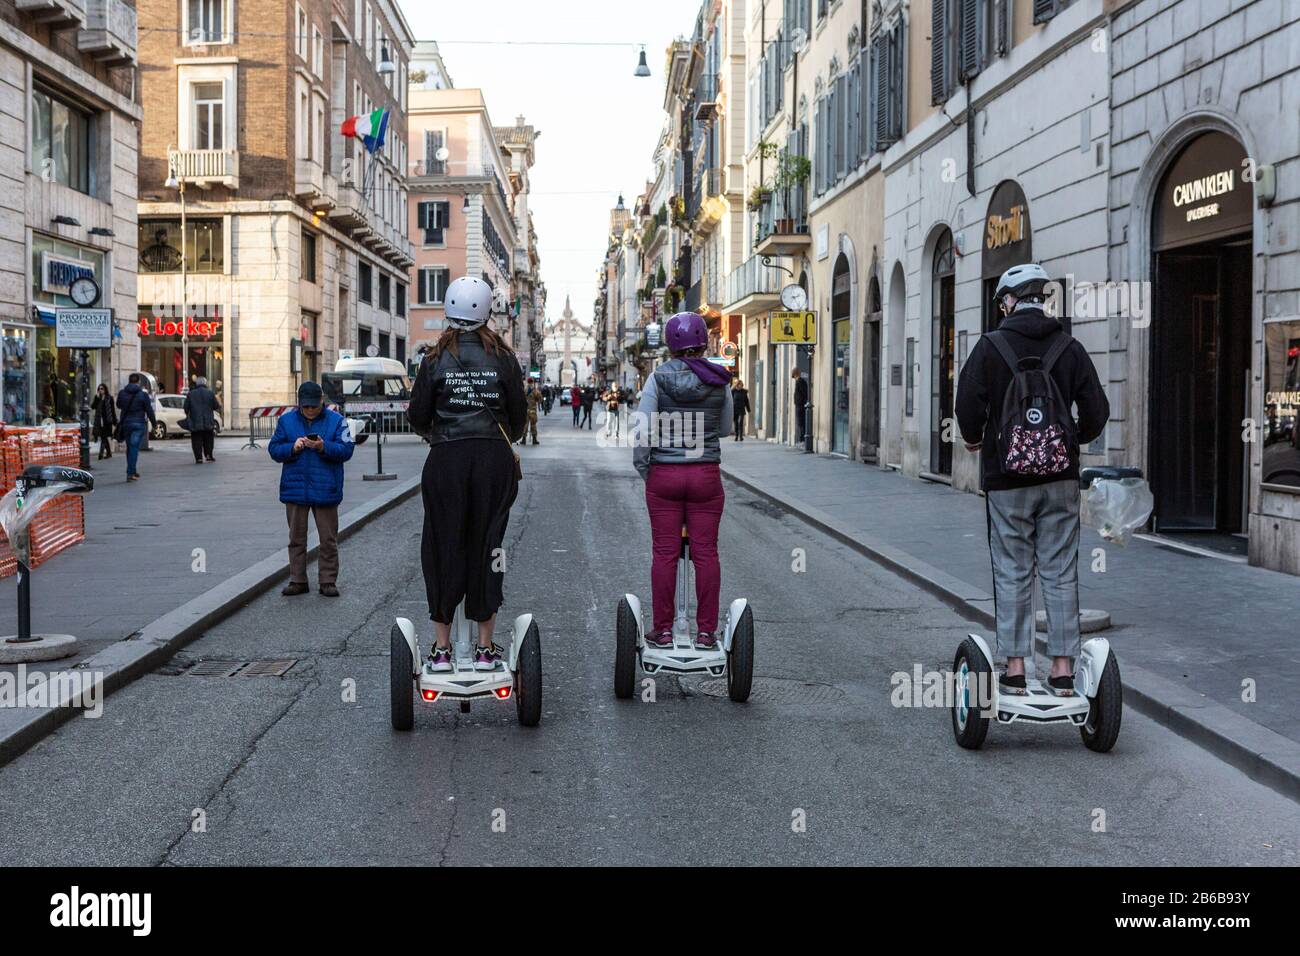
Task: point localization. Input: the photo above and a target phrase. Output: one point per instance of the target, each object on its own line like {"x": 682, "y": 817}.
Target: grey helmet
{"x": 1027, "y": 279}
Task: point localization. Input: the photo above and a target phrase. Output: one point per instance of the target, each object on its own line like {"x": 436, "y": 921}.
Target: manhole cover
{"x": 778, "y": 690}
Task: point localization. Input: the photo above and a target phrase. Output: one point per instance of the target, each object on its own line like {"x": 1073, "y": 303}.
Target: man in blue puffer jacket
{"x": 312, "y": 443}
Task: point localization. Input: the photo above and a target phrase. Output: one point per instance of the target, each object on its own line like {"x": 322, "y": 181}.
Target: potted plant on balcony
{"x": 677, "y": 211}
{"x": 792, "y": 173}
{"x": 759, "y": 196}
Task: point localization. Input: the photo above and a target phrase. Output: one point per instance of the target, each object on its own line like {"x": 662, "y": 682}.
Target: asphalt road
{"x": 819, "y": 768}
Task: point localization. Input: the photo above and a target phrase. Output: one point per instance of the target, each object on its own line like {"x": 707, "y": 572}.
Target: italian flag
{"x": 368, "y": 127}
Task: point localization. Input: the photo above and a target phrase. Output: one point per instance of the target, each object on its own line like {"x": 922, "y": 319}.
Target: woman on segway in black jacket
{"x": 468, "y": 401}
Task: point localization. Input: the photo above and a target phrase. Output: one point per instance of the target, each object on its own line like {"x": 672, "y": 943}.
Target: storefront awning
{"x": 45, "y": 315}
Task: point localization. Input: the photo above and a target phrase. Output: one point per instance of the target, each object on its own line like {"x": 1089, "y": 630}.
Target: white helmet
{"x": 468, "y": 302}
{"x": 1027, "y": 279}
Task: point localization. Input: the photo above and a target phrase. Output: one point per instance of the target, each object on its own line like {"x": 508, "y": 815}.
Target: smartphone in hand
{"x": 313, "y": 437}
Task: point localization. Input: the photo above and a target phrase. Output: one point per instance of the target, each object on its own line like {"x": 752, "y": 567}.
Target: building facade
{"x": 294, "y": 245}
{"x": 462, "y": 203}
{"x": 1204, "y": 234}
{"x": 69, "y": 95}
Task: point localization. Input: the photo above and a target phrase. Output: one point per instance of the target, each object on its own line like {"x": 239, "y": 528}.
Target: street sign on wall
{"x": 83, "y": 328}
{"x": 794, "y": 328}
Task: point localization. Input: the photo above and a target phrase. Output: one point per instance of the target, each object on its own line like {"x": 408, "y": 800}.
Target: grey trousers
{"x": 1035, "y": 527}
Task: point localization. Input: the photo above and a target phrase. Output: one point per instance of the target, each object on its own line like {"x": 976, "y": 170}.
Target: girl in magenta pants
{"x": 688, "y": 495}
{"x": 685, "y": 408}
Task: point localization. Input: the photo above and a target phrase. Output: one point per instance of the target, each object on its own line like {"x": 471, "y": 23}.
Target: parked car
{"x": 169, "y": 411}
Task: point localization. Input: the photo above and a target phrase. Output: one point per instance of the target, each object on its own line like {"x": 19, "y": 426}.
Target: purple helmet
{"x": 686, "y": 330}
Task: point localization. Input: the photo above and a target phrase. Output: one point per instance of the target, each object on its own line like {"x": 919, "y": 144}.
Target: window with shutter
{"x": 839, "y": 126}
{"x": 971, "y": 42}
{"x": 1001, "y": 27}
{"x": 1044, "y": 10}
{"x": 433, "y": 140}
{"x": 939, "y": 60}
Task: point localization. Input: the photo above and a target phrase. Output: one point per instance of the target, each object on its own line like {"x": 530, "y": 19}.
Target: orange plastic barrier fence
{"x": 62, "y": 523}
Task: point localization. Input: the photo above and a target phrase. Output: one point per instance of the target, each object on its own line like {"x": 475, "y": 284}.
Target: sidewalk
{"x": 138, "y": 563}
{"x": 1188, "y": 630}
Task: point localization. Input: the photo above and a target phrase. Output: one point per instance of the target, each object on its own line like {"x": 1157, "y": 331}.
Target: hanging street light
{"x": 641, "y": 68}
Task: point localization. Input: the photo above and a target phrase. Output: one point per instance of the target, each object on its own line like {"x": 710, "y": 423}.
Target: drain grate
{"x": 778, "y": 690}
{"x": 276, "y": 668}
{"x": 214, "y": 669}
{"x": 268, "y": 668}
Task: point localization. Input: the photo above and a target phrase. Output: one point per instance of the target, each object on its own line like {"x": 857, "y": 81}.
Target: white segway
{"x": 733, "y": 655}
{"x": 518, "y": 675}
{"x": 1096, "y": 707}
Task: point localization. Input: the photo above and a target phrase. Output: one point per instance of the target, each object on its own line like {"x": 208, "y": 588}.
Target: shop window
{"x": 910, "y": 399}
{"x": 363, "y": 341}
{"x": 364, "y": 279}
{"x": 60, "y": 140}
{"x": 160, "y": 245}
{"x": 308, "y": 256}
{"x": 383, "y": 345}
{"x": 1281, "y": 437}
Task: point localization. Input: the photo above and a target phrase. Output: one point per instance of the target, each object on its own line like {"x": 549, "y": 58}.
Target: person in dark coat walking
{"x": 201, "y": 407}
{"x": 739, "y": 408}
{"x": 138, "y": 420}
{"x": 800, "y": 405}
{"x": 588, "y": 400}
{"x": 105, "y": 420}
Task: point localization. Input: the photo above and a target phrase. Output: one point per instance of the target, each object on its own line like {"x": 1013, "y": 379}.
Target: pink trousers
{"x": 687, "y": 495}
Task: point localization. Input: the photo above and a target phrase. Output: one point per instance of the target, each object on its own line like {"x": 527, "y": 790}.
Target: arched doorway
{"x": 942, "y": 323}
{"x": 900, "y": 372}
{"x": 841, "y": 339}
{"x": 871, "y": 373}
{"x": 1201, "y": 340}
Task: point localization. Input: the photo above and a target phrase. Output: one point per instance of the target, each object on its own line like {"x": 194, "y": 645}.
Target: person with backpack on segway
{"x": 1015, "y": 401}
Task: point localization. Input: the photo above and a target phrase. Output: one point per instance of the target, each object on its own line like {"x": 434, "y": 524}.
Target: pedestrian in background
{"x": 136, "y": 421}
{"x": 201, "y": 407}
{"x": 311, "y": 443}
{"x": 739, "y": 408}
{"x": 588, "y": 400}
{"x": 575, "y": 402}
{"x": 105, "y": 420}
{"x": 800, "y": 405}
{"x": 613, "y": 399}
{"x": 535, "y": 399}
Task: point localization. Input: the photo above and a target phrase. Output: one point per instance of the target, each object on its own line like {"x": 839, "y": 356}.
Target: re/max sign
{"x": 201, "y": 330}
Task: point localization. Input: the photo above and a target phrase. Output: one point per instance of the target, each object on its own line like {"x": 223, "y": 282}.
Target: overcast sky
{"x": 599, "y": 123}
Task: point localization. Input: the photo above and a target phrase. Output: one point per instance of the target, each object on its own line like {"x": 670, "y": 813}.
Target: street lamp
{"x": 178, "y": 183}
{"x": 641, "y": 68}
{"x": 385, "y": 64}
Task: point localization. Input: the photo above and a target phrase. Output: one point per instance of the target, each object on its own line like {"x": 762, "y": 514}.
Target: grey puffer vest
{"x": 690, "y": 416}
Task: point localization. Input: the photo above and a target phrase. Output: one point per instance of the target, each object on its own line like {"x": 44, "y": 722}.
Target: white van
{"x": 370, "y": 379}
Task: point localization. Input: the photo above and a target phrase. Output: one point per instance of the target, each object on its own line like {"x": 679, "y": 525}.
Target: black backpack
{"x": 1036, "y": 432}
